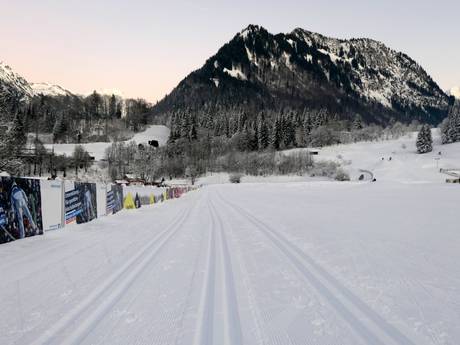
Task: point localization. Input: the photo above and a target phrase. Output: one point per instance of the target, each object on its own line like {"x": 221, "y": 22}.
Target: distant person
{"x": 20, "y": 208}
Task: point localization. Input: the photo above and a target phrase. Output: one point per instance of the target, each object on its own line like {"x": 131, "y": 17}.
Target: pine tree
{"x": 357, "y": 123}
{"x": 60, "y": 128}
{"x": 193, "y": 134}
{"x": 185, "y": 126}
{"x": 113, "y": 107}
{"x": 263, "y": 135}
{"x": 275, "y": 135}
{"x": 455, "y": 125}
{"x": 306, "y": 129}
{"x": 424, "y": 140}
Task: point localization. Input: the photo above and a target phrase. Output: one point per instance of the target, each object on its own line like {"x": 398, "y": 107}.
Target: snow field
{"x": 284, "y": 263}
{"x": 97, "y": 150}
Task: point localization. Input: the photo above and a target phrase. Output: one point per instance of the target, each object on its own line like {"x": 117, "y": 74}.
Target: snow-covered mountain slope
{"x": 394, "y": 160}
{"x": 48, "y": 89}
{"x": 13, "y": 87}
{"x": 306, "y": 69}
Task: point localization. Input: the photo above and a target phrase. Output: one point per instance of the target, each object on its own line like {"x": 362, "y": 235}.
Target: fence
{"x": 30, "y": 207}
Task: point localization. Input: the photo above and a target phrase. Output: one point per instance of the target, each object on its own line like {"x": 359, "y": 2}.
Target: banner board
{"x": 114, "y": 198}
{"x": 52, "y": 206}
{"x": 20, "y": 208}
{"x": 80, "y": 203}
{"x": 101, "y": 199}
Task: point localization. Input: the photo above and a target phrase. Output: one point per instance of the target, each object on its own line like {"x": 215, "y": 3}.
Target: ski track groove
{"x": 204, "y": 330}
{"x": 253, "y": 304}
{"x": 75, "y": 251}
{"x": 106, "y": 295}
{"x": 354, "y": 311}
{"x": 180, "y": 330}
{"x": 232, "y": 323}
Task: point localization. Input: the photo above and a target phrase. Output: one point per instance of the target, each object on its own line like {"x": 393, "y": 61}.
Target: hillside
{"x": 14, "y": 89}
{"x": 258, "y": 70}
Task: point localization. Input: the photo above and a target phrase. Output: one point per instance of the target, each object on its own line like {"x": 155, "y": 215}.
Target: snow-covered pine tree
{"x": 424, "y": 140}
{"x": 357, "y": 123}
{"x": 275, "y": 135}
{"x": 60, "y": 128}
{"x": 306, "y": 129}
{"x": 185, "y": 126}
{"x": 193, "y": 133}
{"x": 263, "y": 135}
{"x": 444, "y": 128}
{"x": 455, "y": 124}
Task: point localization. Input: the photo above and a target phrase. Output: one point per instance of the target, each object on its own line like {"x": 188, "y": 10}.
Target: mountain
{"x": 14, "y": 89}
{"x": 48, "y": 89}
{"x": 258, "y": 70}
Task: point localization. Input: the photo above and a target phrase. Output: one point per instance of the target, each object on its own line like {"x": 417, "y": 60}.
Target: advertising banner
{"x": 101, "y": 197}
{"x": 114, "y": 199}
{"x": 81, "y": 203}
{"x": 52, "y": 206}
{"x": 110, "y": 202}
{"x": 20, "y": 208}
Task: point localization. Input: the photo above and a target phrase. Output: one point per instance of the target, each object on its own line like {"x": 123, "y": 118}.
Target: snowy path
{"x": 300, "y": 263}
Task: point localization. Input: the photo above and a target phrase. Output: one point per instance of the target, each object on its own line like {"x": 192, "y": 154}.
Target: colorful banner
{"x": 72, "y": 206}
{"x": 81, "y": 203}
{"x": 20, "y": 208}
{"x": 114, "y": 199}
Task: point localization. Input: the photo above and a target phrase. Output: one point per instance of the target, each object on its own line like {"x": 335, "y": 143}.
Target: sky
{"x": 145, "y": 48}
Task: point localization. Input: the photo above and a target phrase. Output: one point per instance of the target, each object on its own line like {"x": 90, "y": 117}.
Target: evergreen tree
{"x": 450, "y": 127}
{"x": 60, "y": 128}
{"x": 307, "y": 126}
{"x": 275, "y": 135}
{"x": 357, "y": 123}
{"x": 193, "y": 134}
{"x": 263, "y": 135}
{"x": 113, "y": 107}
{"x": 424, "y": 140}
{"x": 185, "y": 126}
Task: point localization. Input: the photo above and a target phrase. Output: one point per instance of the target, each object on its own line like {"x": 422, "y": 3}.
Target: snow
{"x": 272, "y": 262}
{"x": 405, "y": 166}
{"x": 48, "y": 89}
{"x": 216, "y": 81}
{"x": 15, "y": 80}
{"x": 287, "y": 60}
{"x": 97, "y": 150}
{"x": 379, "y": 96}
{"x": 235, "y": 72}
{"x": 251, "y": 57}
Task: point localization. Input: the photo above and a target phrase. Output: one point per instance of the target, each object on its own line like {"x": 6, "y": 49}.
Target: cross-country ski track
{"x": 281, "y": 263}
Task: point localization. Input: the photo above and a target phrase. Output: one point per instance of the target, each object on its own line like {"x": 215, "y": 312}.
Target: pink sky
{"x": 144, "y": 48}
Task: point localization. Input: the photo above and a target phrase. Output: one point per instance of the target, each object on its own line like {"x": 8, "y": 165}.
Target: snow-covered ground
{"x": 312, "y": 262}
{"x": 405, "y": 165}
{"x": 97, "y": 150}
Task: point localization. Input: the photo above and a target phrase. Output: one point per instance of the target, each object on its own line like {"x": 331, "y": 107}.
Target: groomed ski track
{"x": 229, "y": 265}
